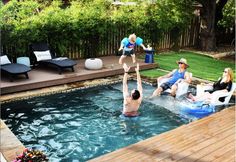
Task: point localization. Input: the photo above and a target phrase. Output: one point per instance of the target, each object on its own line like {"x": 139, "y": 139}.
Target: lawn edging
{"x": 215, "y": 56}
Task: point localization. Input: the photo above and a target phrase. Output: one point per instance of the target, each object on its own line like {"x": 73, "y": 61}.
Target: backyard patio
{"x": 41, "y": 77}
{"x": 79, "y": 114}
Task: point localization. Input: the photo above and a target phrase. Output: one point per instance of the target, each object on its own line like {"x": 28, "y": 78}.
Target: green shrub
{"x": 86, "y": 24}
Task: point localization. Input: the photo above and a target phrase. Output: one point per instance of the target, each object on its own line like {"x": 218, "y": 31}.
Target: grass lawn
{"x": 201, "y": 66}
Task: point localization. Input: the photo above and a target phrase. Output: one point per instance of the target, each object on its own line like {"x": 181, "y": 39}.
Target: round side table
{"x": 93, "y": 63}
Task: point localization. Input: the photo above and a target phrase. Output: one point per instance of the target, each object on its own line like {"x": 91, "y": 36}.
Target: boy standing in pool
{"x": 133, "y": 100}
{"x": 127, "y": 47}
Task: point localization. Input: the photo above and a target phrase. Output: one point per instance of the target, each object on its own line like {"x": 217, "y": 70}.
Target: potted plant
{"x": 31, "y": 155}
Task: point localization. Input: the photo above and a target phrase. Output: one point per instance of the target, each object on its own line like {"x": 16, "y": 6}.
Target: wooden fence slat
{"x": 76, "y": 50}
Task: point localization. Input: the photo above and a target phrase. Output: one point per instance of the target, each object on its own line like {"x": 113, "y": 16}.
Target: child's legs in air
{"x": 133, "y": 58}
{"x": 122, "y": 57}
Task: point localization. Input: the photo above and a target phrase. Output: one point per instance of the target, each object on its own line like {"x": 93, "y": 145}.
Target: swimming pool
{"x": 84, "y": 124}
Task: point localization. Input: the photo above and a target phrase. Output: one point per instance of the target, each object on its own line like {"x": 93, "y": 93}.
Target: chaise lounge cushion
{"x": 4, "y": 60}
{"x": 43, "y": 55}
{"x": 15, "y": 68}
{"x": 61, "y": 63}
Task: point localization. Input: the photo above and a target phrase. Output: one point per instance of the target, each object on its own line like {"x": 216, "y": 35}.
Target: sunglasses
{"x": 181, "y": 63}
{"x": 225, "y": 71}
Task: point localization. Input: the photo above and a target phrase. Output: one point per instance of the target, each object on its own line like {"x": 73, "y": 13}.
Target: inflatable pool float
{"x": 198, "y": 109}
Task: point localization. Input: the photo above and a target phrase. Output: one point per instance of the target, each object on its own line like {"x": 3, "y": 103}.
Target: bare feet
{"x": 126, "y": 67}
{"x": 173, "y": 94}
{"x": 154, "y": 95}
{"x": 190, "y": 96}
{"x": 150, "y": 97}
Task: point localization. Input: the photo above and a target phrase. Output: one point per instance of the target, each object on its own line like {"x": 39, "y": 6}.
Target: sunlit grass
{"x": 201, "y": 66}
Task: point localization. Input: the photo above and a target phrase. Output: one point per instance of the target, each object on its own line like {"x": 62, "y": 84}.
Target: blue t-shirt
{"x": 128, "y": 44}
{"x": 176, "y": 76}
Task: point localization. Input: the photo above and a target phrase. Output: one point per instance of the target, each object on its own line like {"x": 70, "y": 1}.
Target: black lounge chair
{"x": 60, "y": 63}
{"x": 14, "y": 69}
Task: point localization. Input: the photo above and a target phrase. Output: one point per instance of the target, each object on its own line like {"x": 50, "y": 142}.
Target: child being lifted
{"x": 127, "y": 45}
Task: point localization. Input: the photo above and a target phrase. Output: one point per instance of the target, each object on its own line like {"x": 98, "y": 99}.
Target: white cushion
{"x": 23, "y": 60}
{"x": 43, "y": 55}
{"x": 4, "y": 60}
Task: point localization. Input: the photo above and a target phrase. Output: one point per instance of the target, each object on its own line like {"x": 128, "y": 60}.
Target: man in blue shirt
{"x": 176, "y": 76}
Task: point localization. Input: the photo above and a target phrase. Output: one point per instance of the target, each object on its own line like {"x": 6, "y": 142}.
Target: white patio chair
{"x": 215, "y": 100}
{"x": 182, "y": 86}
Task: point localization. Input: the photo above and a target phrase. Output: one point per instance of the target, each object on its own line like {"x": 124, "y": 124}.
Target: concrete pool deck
{"x": 41, "y": 77}
{"x": 10, "y": 145}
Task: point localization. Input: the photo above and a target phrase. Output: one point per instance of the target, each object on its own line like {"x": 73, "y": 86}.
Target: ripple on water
{"x": 81, "y": 125}
{"x": 39, "y": 104}
{"x": 46, "y": 132}
{"x": 27, "y": 137}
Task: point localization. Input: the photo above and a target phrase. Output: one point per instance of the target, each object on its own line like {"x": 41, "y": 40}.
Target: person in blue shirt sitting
{"x": 176, "y": 76}
{"x": 127, "y": 47}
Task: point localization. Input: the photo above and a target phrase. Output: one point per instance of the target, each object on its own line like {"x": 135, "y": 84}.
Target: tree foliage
{"x": 228, "y": 15}
{"x": 217, "y": 16}
{"x": 30, "y": 21}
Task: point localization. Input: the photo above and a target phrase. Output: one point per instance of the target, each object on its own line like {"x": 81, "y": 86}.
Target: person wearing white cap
{"x": 176, "y": 76}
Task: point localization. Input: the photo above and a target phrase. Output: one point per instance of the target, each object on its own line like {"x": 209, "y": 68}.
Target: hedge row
{"x": 89, "y": 21}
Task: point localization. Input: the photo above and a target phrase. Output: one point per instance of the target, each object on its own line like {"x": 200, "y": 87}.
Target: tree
{"x": 225, "y": 30}
{"x": 211, "y": 14}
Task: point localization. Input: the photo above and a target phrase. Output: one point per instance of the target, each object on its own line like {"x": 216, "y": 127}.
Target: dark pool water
{"x": 84, "y": 124}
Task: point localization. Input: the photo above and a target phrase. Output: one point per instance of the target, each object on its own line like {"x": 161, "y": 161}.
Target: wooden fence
{"x": 76, "y": 50}
{"x": 188, "y": 38}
